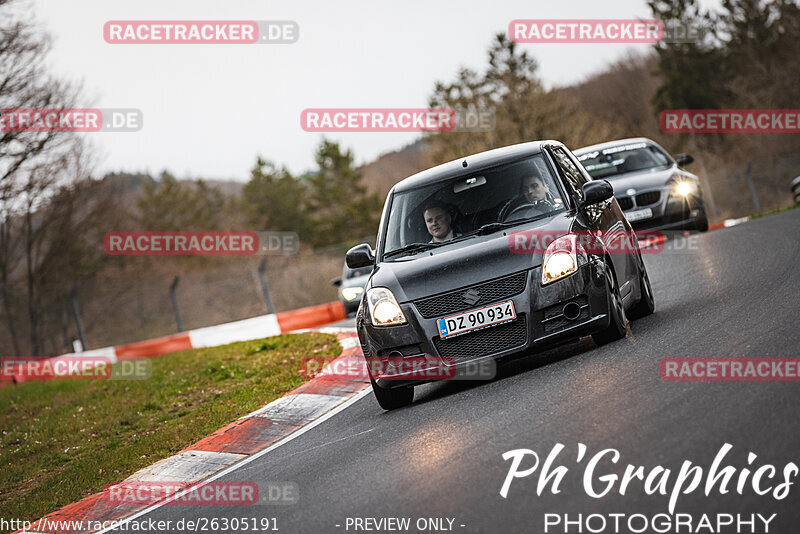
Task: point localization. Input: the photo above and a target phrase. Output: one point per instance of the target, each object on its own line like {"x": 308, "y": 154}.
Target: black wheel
{"x": 618, "y": 326}
{"x": 646, "y": 304}
{"x": 391, "y": 399}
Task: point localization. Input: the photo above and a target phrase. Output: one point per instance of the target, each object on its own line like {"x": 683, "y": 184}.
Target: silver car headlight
{"x": 683, "y": 188}
{"x": 352, "y": 293}
{"x": 383, "y": 308}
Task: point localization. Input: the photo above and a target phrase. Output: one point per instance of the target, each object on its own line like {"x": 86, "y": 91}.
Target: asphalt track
{"x": 737, "y": 293}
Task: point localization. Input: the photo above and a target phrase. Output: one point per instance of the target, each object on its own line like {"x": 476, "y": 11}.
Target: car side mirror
{"x": 596, "y": 191}
{"x": 360, "y": 256}
{"x": 336, "y": 282}
{"x": 684, "y": 159}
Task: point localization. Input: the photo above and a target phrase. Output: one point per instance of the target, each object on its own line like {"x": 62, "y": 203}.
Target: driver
{"x": 533, "y": 193}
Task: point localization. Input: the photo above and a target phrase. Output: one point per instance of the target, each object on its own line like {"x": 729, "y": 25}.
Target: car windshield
{"x": 473, "y": 203}
{"x": 621, "y": 159}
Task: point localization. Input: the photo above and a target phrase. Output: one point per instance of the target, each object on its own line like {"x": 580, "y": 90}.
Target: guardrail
{"x": 272, "y": 324}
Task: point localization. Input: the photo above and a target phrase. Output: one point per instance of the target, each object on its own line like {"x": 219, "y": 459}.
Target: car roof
{"x": 475, "y": 162}
{"x": 609, "y": 144}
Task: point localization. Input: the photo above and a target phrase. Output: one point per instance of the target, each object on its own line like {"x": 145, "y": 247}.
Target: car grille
{"x": 645, "y": 199}
{"x": 488, "y": 292}
{"x": 485, "y": 342}
{"x": 625, "y": 203}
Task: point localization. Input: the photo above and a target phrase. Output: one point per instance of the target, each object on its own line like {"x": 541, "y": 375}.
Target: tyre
{"x": 646, "y": 304}
{"x": 618, "y": 325}
{"x": 391, "y": 399}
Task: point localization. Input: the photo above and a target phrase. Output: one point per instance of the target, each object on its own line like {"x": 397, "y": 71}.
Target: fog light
{"x": 352, "y": 293}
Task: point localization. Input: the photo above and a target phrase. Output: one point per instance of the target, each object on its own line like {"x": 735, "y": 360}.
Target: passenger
{"x": 439, "y": 222}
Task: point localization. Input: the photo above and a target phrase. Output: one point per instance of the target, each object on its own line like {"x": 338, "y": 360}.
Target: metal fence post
{"x": 796, "y": 189}
{"x": 262, "y": 276}
{"x": 752, "y": 187}
{"x": 174, "y": 298}
{"x": 73, "y": 300}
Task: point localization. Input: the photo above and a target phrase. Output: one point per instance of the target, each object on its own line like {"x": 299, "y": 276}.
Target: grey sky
{"x": 210, "y": 109}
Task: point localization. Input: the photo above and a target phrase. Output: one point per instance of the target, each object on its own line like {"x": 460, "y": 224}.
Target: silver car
{"x": 650, "y": 185}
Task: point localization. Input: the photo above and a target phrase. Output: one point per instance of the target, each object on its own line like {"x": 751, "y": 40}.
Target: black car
{"x": 651, "y": 187}
{"x": 469, "y": 293}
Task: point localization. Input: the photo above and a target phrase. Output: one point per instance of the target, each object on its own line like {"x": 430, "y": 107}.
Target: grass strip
{"x": 63, "y": 440}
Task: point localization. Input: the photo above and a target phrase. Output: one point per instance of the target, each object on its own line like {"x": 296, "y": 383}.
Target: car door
{"x": 601, "y": 217}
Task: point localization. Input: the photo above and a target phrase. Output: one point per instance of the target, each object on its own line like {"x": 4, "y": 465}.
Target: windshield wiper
{"x": 487, "y": 228}
{"x": 412, "y": 247}
{"x": 493, "y": 227}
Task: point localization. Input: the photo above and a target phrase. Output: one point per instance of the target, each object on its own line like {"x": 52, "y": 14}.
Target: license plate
{"x": 461, "y": 323}
{"x": 638, "y": 215}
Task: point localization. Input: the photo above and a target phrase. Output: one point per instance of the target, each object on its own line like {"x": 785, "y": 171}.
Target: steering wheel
{"x": 526, "y": 206}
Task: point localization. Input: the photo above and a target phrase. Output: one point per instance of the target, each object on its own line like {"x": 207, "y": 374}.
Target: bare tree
{"x": 34, "y": 165}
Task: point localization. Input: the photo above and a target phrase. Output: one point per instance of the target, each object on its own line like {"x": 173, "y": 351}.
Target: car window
{"x": 575, "y": 178}
{"x": 455, "y": 208}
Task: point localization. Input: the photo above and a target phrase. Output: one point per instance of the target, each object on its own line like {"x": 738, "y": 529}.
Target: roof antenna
{"x": 464, "y": 163}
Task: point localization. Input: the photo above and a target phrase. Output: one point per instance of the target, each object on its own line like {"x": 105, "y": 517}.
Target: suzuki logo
{"x": 472, "y": 296}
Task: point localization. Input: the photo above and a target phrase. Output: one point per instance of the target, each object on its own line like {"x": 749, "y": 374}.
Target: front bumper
{"x": 541, "y": 323}
{"x": 669, "y": 213}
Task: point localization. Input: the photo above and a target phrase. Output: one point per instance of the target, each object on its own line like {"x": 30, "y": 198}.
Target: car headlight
{"x": 562, "y": 258}
{"x": 351, "y": 293}
{"x": 683, "y": 188}
{"x": 383, "y": 307}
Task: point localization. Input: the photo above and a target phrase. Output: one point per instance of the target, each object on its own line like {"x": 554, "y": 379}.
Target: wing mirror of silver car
{"x": 684, "y": 159}
{"x": 596, "y": 191}
{"x": 360, "y": 256}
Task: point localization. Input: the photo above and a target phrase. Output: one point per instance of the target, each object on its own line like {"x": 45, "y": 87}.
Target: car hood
{"x": 469, "y": 262}
{"x": 641, "y": 181}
